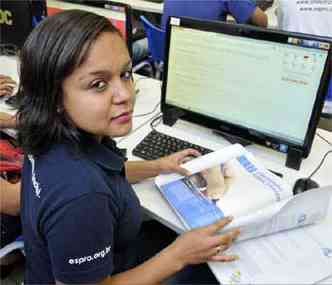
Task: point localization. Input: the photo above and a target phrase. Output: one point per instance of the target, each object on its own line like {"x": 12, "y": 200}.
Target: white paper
{"x": 297, "y": 211}
{"x": 291, "y": 257}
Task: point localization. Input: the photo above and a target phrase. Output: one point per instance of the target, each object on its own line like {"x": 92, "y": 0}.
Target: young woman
{"x": 79, "y": 213}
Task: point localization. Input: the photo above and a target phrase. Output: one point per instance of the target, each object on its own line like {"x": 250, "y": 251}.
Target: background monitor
{"x": 119, "y": 14}
{"x": 262, "y": 85}
{"x": 15, "y": 22}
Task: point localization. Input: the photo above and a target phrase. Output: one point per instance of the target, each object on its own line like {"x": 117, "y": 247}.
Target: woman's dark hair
{"x": 52, "y": 51}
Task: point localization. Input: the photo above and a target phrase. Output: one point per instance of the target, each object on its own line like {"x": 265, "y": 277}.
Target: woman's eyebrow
{"x": 105, "y": 72}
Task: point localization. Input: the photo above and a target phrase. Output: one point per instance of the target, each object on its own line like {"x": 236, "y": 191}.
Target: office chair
{"x": 156, "y": 38}
{"x": 17, "y": 244}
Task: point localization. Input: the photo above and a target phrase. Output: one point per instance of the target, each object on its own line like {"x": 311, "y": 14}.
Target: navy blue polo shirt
{"x": 216, "y": 10}
{"x": 80, "y": 216}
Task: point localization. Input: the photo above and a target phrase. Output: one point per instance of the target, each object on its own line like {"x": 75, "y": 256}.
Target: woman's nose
{"x": 122, "y": 92}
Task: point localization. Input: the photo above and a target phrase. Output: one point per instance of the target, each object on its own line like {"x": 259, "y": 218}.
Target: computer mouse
{"x": 304, "y": 184}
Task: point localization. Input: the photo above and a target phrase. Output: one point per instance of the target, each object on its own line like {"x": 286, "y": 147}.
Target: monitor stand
{"x": 171, "y": 115}
{"x": 232, "y": 138}
{"x": 294, "y": 158}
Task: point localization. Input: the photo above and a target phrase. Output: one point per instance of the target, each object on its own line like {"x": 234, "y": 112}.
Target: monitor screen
{"x": 253, "y": 82}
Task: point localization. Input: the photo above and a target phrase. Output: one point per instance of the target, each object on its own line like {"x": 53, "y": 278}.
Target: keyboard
{"x": 156, "y": 145}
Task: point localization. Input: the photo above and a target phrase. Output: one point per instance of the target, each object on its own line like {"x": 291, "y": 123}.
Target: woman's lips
{"x": 123, "y": 118}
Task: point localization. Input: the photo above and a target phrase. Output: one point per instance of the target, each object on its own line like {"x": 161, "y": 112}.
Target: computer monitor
{"x": 15, "y": 23}
{"x": 262, "y": 85}
{"x": 119, "y": 14}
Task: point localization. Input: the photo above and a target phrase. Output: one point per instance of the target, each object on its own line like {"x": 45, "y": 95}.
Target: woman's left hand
{"x": 172, "y": 162}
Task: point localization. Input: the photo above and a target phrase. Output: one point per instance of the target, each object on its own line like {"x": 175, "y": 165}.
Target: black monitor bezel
{"x": 232, "y": 129}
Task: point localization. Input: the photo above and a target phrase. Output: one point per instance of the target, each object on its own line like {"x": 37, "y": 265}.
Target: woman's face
{"x": 99, "y": 94}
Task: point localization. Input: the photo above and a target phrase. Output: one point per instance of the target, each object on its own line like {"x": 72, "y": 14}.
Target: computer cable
{"x": 156, "y": 121}
{"x": 148, "y": 113}
{"x": 324, "y": 139}
{"x": 324, "y": 157}
{"x": 320, "y": 164}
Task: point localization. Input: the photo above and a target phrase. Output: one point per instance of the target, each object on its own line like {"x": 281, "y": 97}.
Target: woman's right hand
{"x": 204, "y": 244}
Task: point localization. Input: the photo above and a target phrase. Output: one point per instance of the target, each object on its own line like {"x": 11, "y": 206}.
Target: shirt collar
{"x": 105, "y": 154}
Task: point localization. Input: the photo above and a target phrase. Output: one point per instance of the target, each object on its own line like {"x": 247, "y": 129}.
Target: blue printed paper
{"x": 192, "y": 206}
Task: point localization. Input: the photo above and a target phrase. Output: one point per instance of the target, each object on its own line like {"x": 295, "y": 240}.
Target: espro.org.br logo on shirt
{"x": 89, "y": 258}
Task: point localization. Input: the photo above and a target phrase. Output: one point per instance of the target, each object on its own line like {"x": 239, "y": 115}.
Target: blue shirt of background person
{"x": 328, "y": 101}
{"x": 210, "y": 10}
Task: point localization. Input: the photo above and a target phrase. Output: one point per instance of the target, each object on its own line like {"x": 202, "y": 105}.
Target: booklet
{"x": 300, "y": 256}
{"x": 232, "y": 182}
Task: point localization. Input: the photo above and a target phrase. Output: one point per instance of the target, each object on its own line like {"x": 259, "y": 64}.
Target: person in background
{"x": 7, "y": 85}
{"x": 9, "y": 197}
{"x": 80, "y": 216}
{"x": 244, "y": 11}
{"x": 10, "y": 224}
{"x": 9, "y": 192}
{"x": 309, "y": 17}
{"x": 7, "y": 121}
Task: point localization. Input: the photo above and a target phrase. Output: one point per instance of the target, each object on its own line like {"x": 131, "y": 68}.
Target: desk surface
{"x": 157, "y": 208}
{"x": 154, "y": 204}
